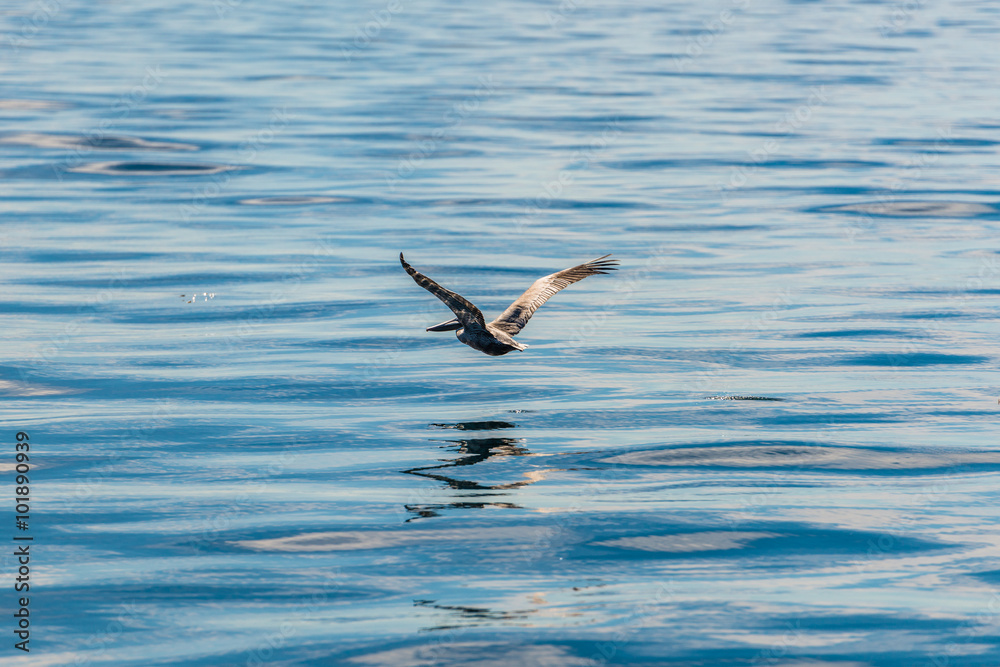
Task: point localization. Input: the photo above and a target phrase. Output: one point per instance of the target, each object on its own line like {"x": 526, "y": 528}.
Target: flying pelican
{"x": 496, "y": 338}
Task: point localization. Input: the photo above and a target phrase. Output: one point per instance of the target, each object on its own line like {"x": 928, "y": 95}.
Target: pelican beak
{"x": 450, "y": 325}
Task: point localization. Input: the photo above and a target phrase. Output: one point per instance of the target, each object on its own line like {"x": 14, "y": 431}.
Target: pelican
{"x": 496, "y": 338}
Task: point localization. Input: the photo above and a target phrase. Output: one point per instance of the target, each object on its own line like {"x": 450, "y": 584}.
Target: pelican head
{"x": 450, "y": 325}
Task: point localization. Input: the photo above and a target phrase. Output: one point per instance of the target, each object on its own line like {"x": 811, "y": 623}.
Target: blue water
{"x": 770, "y": 438}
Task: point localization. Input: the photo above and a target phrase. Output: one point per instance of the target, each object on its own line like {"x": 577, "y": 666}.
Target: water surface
{"x": 769, "y": 439}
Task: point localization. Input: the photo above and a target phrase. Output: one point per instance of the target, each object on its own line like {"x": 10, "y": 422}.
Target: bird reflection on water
{"x": 473, "y": 451}
{"x": 462, "y": 616}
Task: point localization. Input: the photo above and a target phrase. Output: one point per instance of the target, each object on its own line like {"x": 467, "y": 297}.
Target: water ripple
{"x": 106, "y": 142}
{"x": 804, "y": 456}
{"x": 915, "y": 209}
{"x": 295, "y": 200}
{"x": 152, "y": 168}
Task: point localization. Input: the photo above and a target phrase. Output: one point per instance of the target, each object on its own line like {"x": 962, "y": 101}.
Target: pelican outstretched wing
{"x": 518, "y": 313}
{"x": 470, "y": 316}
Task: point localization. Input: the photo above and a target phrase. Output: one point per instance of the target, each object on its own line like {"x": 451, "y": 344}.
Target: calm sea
{"x": 770, "y": 438}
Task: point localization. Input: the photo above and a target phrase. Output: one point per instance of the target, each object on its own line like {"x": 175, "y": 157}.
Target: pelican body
{"x": 496, "y": 338}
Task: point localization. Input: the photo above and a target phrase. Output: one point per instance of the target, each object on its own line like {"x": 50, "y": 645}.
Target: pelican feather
{"x": 465, "y": 311}
{"x": 518, "y": 313}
